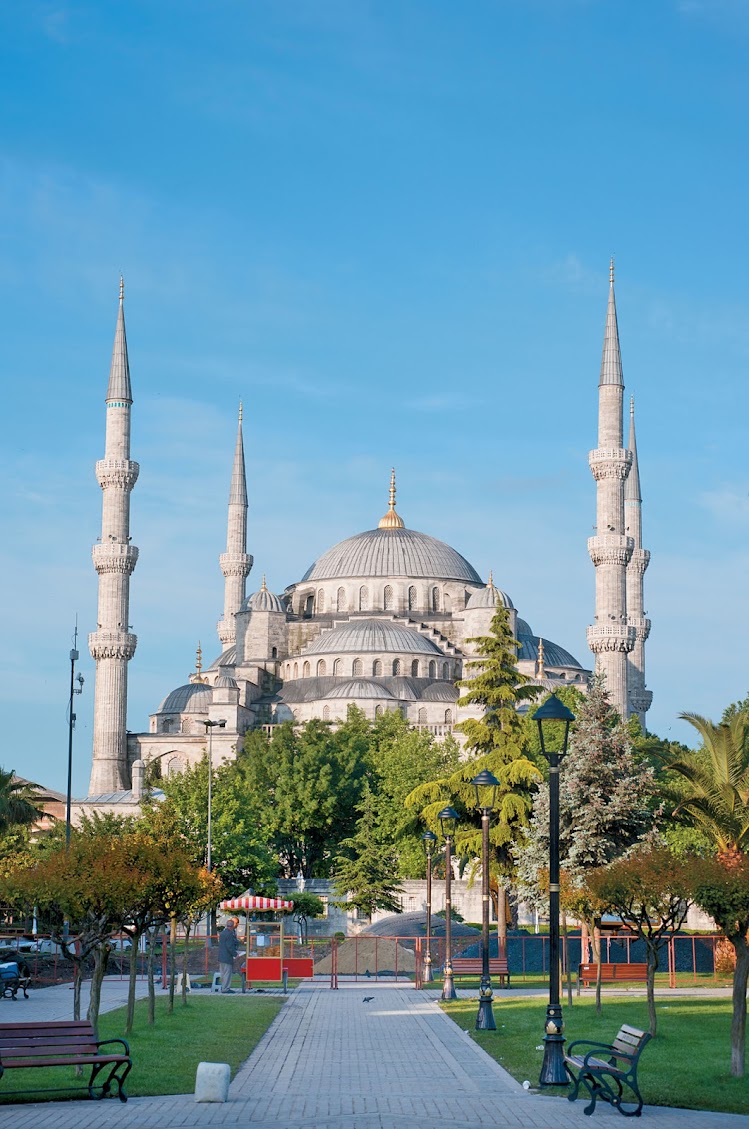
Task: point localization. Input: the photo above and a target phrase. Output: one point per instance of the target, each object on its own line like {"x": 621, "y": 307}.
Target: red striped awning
{"x": 255, "y": 902}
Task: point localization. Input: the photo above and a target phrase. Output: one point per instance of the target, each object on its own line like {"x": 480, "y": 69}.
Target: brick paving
{"x": 331, "y": 1061}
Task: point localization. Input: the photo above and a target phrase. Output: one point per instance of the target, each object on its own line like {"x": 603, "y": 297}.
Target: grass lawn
{"x": 686, "y": 1065}
{"x": 165, "y": 1056}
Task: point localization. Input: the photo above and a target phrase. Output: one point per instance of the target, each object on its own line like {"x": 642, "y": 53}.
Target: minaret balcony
{"x": 641, "y": 700}
{"x": 611, "y": 637}
{"x": 114, "y": 556}
{"x": 639, "y": 560}
{"x": 610, "y": 548}
{"x": 610, "y": 462}
{"x": 641, "y": 626}
{"x": 112, "y": 644}
{"x": 120, "y": 473}
{"x": 236, "y": 564}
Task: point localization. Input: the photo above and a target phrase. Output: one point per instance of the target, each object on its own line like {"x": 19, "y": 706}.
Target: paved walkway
{"x": 331, "y": 1061}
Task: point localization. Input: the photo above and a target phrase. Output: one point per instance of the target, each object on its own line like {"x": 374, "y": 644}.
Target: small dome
{"x": 523, "y": 627}
{"x": 226, "y": 682}
{"x": 263, "y": 601}
{"x": 361, "y": 635}
{"x": 488, "y": 597}
{"x": 194, "y": 698}
{"x": 554, "y": 655}
{"x": 440, "y": 692}
{"x": 359, "y": 688}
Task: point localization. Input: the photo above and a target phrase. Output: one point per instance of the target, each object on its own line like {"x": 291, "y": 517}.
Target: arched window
{"x": 448, "y": 717}
{"x": 337, "y": 666}
{"x": 387, "y": 598}
{"x": 376, "y": 668}
{"x": 379, "y": 711}
{"x": 309, "y": 606}
{"x": 187, "y": 725}
{"x": 322, "y": 669}
{"x": 422, "y": 717}
{"x": 432, "y": 668}
{"x": 415, "y": 668}
{"x": 296, "y": 670}
{"x": 320, "y": 601}
{"x": 305, "y": 670}
{"x": 357, "y": 667}
{"x": 412, "y": 599}
{"x": 447, "y": 604}
{"x": 166, "y": 725}
{"x": 435, "y": 599}
{"x": 397, "y": 666}
{"x": 326, "y": 713}
{"x": 363, "y": 598}
{"x": 340, "y": 600}
{"x": 445, "y": 670}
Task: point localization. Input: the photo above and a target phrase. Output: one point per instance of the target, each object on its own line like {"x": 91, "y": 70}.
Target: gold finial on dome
{"x": 490, "y": 581}
{"x": 198, "y": 676}
{"x": 541, "y": 667}
{"x": 263, "y": 586}
{"x": 392, "y": 520}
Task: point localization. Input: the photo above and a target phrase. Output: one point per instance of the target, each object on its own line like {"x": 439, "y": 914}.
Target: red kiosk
{"x": 264, "y": 941}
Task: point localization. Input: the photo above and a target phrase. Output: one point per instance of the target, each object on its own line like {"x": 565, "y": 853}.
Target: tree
{"x": 714, "y": 799}
{"x": 650, "y": 892}
{"x": 714, "y": 792}
{"x": 603, "y": 802}
{"x": 721, "y": 887}
{"x": 365, "y": 869}
{"x": 18, "y": 806}
{"x": 306, "y": 782}
{"x": 306, "y": 905}
{"x": 498, "y": 737}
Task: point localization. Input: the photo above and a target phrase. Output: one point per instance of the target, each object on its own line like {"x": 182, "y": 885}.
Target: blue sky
{"x": 386, "y": 227}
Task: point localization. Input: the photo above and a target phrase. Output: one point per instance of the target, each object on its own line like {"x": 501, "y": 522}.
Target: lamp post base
{"x": 553, "y": 1072}
{"x": 427, "y": 975}
{"x": 485, "y": 1014}
{"x": 448, "y": 988}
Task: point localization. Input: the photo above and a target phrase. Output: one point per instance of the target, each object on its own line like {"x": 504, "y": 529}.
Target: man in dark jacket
{"x": 228, "y": 947}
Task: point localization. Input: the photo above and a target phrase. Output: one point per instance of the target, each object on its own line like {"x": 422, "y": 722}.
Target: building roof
{"x": 360, "y": 688}
{"x": 554, "y": 655}
{"x": 365, "y": 635}
{"x": 487, "y": 598}
{"x": 195, "y": 697}
{"x": 264, "y": 601}
{"x": 392, "y": 553}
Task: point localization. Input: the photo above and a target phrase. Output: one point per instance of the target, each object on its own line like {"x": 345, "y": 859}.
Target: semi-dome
{"x": 195, "y": 697}
{"x": 487, "y": 598}
{"x": 554, "y": 655}
{"x": 392, "y": 553}
{"x": 440, "y": 692}
{"x": 361, "y": 635}
{"x": 263, "y": 601}
{"x": 359, "y": 688}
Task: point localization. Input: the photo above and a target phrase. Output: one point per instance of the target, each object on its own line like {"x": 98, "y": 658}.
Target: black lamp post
{"x": 448, "y": 818}
{"x": 486, "y": 786}
{"x": 552, "y": 1070}
{"x": 428, "y": 839}
{"x": 71, "y": 727}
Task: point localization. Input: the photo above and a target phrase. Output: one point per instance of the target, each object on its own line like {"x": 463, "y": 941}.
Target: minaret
{"x": 235, "y": 562}
{"x": 639, "y": 697}
{"x": 112, "y": 645}
{"x": 611, "y": 638}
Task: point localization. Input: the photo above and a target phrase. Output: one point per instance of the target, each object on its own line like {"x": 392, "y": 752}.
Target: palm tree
{"x": 17, "y": 802}
{"x": 714, "y": 788}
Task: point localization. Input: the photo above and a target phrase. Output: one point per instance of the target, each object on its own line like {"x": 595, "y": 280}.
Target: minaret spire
{"x": 639, "y": 698}
{"x": 112, "y": 645}
{"x": 611, "y": 638}
{"x": 235, "y": 562}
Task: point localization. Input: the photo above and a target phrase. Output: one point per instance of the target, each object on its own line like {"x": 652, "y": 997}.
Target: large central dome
{"x": 392, "y": 553}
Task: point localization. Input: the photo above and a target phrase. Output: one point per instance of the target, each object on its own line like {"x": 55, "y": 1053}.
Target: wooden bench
{"x": 472, "y": 966}
{"x": 605, "y": 1069}
{"x": 587, "y": 973}
{"x": 24, "y": 1046}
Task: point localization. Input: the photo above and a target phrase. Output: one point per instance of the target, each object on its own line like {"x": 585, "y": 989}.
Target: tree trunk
{"x": 501, "y": 921}
{"x": 738, "y": 1021}
{"x": 149, "y": 972}
{"x": 130, "y": 1016}
{"x": 101, "y": 958}
{"x": 172, "y": 962}
{"x": 652, "y": 969}
{"x": 77, "y": 981}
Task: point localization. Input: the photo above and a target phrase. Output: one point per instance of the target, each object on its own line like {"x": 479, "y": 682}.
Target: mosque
{"x": 383, "y": 620}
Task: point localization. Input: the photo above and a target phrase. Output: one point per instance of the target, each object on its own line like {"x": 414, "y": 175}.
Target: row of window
{"x": 397, "y": 667}
{"x": 365, "y": 602}
{"x": 380, "y": 710}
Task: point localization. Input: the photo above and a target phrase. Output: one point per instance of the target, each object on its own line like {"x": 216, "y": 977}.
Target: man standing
{"x": 228, "y": 947}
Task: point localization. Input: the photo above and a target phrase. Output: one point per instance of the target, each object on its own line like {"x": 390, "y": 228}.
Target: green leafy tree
{"x": 650, "y": 891}
{"x": 306, "y": 781}
{"x": 18, "y": 806}
{"x": 498, "y": 741}
{"x": 366, "y": 867}
{"x": 306, "y": 906}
